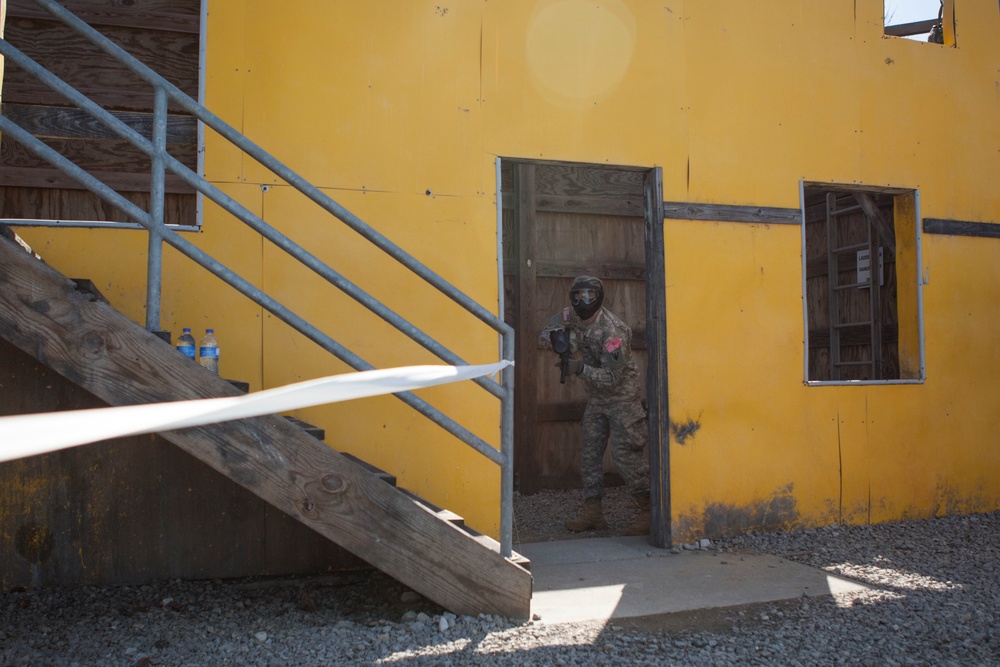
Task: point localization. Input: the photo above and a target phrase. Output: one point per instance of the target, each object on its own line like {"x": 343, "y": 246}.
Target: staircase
{"x": 428, "y": 549}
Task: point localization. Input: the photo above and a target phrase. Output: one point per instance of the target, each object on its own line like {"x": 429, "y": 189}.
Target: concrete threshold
{"x": 626, "y": 578}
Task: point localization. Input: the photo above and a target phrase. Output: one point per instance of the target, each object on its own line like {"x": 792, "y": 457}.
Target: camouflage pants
{"x": 623, "y": 426}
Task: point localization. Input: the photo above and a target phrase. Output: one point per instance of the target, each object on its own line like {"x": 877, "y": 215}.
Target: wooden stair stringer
{"x": 91, "y": 344}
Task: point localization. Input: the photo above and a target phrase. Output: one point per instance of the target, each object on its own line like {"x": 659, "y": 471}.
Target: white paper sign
{"x": 865, "y": 267}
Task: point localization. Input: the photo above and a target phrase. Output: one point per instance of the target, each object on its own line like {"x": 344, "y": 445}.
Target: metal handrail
{"x": 159, "y": 233}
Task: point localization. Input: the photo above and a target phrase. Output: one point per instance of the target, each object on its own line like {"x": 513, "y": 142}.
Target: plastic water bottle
{"x": 208, "y": 351}
{"x": 185, "y": 344}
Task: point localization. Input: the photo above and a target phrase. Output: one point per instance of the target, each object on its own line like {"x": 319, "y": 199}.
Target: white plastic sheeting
{"x": 28, "y": 435}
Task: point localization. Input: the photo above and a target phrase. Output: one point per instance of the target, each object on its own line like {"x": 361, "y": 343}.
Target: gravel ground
{"x": 935, "y": 601}
{"x": 540, "y": 516}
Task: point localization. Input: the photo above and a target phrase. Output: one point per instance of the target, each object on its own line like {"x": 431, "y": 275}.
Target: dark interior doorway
{"x": 561, "y": 220}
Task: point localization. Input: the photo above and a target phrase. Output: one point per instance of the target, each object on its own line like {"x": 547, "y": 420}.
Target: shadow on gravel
{"x": 934, "y": 601}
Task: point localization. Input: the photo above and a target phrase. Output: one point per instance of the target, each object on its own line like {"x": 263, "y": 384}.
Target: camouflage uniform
{"x": 614, "y": 412}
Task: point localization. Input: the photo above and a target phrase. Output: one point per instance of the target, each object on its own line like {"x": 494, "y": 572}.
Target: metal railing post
{"x": 154, "y": 268}
{"x": 507, "y": 449}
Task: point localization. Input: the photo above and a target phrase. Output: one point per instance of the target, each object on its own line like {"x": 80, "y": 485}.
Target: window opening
{"x": 861, "y": 287}
{"x": 920, "y": 20}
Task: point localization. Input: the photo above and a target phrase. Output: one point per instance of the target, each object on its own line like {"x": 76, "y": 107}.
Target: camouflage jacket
{"x": 605, "y": 346}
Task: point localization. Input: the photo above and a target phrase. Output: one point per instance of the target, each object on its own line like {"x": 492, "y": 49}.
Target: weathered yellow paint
{"x": 764, "y": 118}
{"x": 115, "y": 260}
{"x": 398, "y": 109}
{"x": 225, "y": 74}
{"x": 194, "y": 298}
{"x": 526, "y": 114}
{"x": 907, "y": 275}
{"x": 409, "y": 68}
{"x": 948, "y": 21}
{"x": 384, "y": 431}
{"x": 744, "y": 455}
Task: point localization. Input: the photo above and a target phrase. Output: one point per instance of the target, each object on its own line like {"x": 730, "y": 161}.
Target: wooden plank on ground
{"x": 101, "y": 350}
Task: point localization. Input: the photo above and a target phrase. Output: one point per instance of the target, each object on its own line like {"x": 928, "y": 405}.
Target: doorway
{"x": 561, "y": 220}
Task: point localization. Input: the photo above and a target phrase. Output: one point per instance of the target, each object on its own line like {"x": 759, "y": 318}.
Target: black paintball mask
{"x": 586, "y": 296}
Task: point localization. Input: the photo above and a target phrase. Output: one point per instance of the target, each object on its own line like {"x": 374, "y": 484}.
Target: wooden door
{"x": 562, "y": 221}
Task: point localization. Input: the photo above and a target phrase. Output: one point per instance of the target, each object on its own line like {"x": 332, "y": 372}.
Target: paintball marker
{"x": 560, "y": 345}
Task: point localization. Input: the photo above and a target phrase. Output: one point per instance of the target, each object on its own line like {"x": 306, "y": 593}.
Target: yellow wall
{"x": 398, "y": 110}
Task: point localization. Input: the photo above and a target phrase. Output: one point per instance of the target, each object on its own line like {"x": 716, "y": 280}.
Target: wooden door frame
{"x": 522, "y": 190}
{"x": 656, "y": 364}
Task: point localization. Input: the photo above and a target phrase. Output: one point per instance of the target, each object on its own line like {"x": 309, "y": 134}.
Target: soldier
{"x": 614, "y": 411}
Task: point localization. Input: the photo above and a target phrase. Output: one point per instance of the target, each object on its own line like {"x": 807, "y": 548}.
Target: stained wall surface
{"x": 399, "y": 110}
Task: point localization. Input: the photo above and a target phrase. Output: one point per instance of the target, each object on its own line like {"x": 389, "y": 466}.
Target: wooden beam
{"x": 28, "y": 92}
{"x": 841, "y": 188}
{"x": 657, "y": 394}
{"x": 93, "y": 73}
{"x": 526, "y": 341}
{"x": 26, "y": 177}
{"x": 886, "y": 230}
{"x": 983, "y": 230}
{"x": 144, "y": 16}
{"x": 912, "y": 28}
{"x": 71, "y": 122}
{"x": 595, "y": 205}
{"x": 727, "y": 213}
{"x": 104, "y": 155}
{"x": 121, "y": 363}
{"x": 584, "y": 204}
{"x": 582, "y": 180}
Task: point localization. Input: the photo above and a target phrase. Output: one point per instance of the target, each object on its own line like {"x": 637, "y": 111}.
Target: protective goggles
{"x": 584, "y": 296}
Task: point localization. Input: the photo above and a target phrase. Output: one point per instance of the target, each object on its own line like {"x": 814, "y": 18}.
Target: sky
{"x": 907, "y": 11}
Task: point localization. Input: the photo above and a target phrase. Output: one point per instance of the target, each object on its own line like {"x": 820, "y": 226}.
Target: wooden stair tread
{"x": 386, "y": 477}
{"x": 445, "y": 515}
{"x": 459, "y": 522}
{"x": 441, "y": 513}
{"x": 314, "y": 431}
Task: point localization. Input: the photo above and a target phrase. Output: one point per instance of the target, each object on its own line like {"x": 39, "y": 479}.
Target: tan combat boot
{"x": 641, "y": 525}
{"x": 590, "y": 518}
